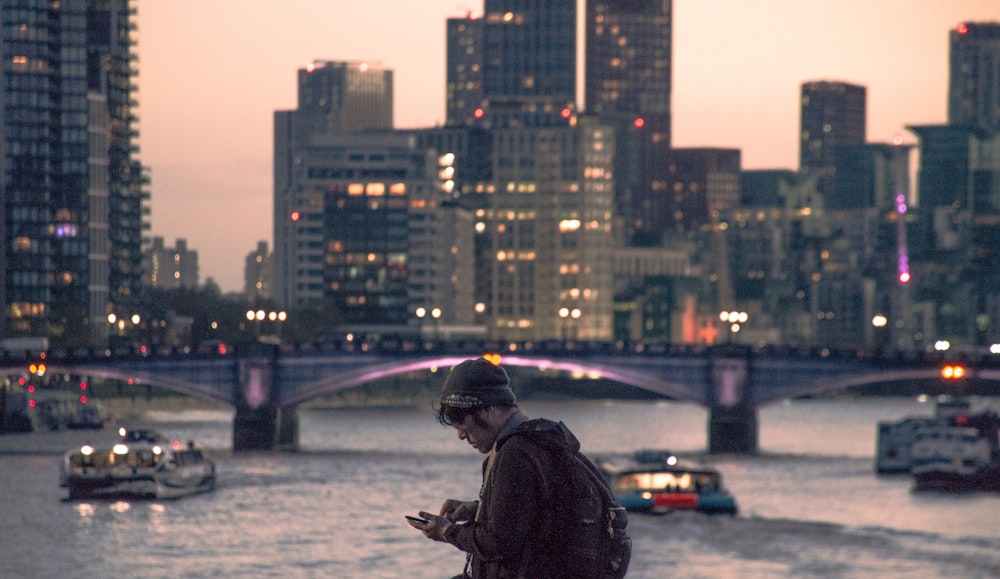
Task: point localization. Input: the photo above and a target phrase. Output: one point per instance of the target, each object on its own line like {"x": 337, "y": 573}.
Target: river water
{"x": 810, "y": 503}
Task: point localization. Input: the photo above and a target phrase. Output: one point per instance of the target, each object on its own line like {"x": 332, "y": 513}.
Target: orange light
{"x": 493, "y": 358}
{"x": 953, "y": 372}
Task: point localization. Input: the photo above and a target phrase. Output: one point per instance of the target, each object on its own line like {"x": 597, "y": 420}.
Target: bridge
{"x": 265, "y": 386}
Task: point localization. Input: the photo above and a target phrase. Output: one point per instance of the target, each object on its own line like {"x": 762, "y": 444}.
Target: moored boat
{"x": 894, "y": 443}
{"x": 142, "y": 464}
{"x": 660, "y": 482}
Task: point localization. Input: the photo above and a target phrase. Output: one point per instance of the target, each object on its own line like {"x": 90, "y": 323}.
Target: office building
{"x": 833, "y": 114}
{"x": 335, "y": 99}
{"x": 974, "y": 75}
{"x": 543, "y": 233}
{"x": 528, "y": 63}
{"x": 870, "y": 176}
{"x": 72, "y": 188}
{"x": 464, "y": 92}
{"x": 706, "y": 181}
{"x": 628, "y": 85}
{"x": 959, "y": 167}
{"x": 170, "y": 267}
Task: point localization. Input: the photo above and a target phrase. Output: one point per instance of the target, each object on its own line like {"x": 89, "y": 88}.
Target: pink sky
{"x": 212, "y": 74}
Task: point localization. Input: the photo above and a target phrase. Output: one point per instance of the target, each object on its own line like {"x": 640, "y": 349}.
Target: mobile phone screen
{"x": 416, "y": 519}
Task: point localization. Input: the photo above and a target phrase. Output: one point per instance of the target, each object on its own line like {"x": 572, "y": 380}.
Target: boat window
{"x": 648, "y": 481}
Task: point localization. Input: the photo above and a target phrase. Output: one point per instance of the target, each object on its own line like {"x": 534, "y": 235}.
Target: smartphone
{"x": 417, "y": 519}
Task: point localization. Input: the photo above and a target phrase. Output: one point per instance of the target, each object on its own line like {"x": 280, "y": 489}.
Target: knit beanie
{"x": 475, "y": 384}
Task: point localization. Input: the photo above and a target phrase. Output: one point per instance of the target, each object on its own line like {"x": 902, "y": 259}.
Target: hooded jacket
{"x": 513, "y": 536}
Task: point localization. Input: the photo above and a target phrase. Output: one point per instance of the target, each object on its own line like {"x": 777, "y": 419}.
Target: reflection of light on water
{"x": 120, "y": 506}
{"x": 85, "y": 510}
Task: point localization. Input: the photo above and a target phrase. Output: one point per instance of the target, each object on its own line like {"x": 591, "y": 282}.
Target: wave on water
{"x": 717, "y": 546}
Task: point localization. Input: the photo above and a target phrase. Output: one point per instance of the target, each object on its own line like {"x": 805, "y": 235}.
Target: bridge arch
{"x": 370, "y": 373}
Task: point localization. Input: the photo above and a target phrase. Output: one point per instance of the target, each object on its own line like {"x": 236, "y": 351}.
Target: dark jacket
{"x": 513, "y": 537}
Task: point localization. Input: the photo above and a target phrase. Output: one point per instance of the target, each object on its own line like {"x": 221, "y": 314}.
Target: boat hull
{"x": 986, "y": 479}
{"x": 139, "y": 486}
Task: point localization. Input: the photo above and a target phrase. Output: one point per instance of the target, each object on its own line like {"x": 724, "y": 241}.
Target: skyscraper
{"x": 833, "y": 114}
{"x": 335, "y": 99}
{"x": 974, "y": 75}
{"x": 72, "y": 189}
{"x": 528, "y": 63}
{"x": 628, "y": 85}
{"x": 464, "y": 70}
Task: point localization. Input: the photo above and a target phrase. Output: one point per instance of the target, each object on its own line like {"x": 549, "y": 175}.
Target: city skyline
{"x": 207, "y": 100}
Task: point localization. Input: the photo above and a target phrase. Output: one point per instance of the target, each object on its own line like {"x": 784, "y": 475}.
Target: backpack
{"x": 589, "y": 527}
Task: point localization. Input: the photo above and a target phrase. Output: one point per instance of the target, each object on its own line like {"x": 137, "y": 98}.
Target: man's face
{"x": 477, "y": 431}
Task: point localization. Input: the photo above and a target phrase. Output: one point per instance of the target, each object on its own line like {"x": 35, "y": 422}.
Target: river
{"x": 810, "y": 503}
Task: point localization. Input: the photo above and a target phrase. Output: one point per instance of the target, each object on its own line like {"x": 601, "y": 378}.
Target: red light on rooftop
{"x": 962, "y": 28}
{"x": 566, "y": 113}
{"x": 639, "y": 122}
{"x": 479, "y": 113}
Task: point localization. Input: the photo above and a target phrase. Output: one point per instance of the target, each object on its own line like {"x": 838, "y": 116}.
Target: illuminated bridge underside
{"x": 299, "y": 379}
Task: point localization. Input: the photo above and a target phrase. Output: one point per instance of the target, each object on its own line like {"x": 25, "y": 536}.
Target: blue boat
{"x": 657, "y": 481}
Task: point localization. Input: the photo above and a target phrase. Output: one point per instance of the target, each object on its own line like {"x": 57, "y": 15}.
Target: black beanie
{"x": 475, "y": 384}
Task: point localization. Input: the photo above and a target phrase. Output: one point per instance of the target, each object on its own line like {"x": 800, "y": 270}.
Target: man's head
{"x": 476, "y": 398}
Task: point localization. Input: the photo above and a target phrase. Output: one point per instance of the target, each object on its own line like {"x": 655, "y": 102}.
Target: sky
{"x": 212, "y": 73}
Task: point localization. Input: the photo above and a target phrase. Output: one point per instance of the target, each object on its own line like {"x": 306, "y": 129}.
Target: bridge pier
{"x": 259, "y": 424}
{"x": 732, "y": 420}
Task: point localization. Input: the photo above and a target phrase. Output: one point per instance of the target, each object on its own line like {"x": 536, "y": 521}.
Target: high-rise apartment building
{"x": 71, "y": 187}
{"x": 257, "y": 274}
{"x": 974, "y": 75}
{"x": 833, "y": 114}
{"x": 628, "y": 85}
{"x": 334, "y": 99}
{"x": 170, "y": 267}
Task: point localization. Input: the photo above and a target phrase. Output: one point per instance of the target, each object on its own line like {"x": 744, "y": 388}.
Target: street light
{"x": 735, "y": 320}
{"x": 257, "y": 317}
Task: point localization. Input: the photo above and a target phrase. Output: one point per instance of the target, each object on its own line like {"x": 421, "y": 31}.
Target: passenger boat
{"x": 659, "y": 482}
{"x": 963, "y": 455}
{"x": 140, "y": 465}
{"x": 895, "y": 440}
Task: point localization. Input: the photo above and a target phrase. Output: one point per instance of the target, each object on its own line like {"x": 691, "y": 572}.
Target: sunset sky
{"x": 212, "y": 73}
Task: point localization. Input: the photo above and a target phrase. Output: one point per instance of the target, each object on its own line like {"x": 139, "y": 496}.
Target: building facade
{"x": 974, "y": 75}
{"x": 833, "y": 114}
{"x": 628, "y": 66}
{"x": 257, "y": 274}
{"x": 72, "y": 189}
{"x": 170, "y": 267}
{"x": 334, "y": 99}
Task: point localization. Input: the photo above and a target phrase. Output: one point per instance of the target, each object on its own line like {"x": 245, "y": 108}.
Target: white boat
{"x": 893, "y": 452}
{"x": 141, "y": 465}
{"x": 958, "y": 457}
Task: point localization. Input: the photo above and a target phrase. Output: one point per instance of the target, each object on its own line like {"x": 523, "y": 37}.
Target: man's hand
{"x": 434, "y": 528}
{"x": 458, "y": 511}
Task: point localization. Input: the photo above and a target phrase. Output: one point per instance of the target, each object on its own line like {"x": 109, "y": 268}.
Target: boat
{"x": 962, "y": 455}
{"x": 657, "y": 481}
{"x": 141, "y": 464}
{"x": 894, "y": 443}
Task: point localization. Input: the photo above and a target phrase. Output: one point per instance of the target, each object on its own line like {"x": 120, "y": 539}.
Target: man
{"x": 512, "y": 530}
